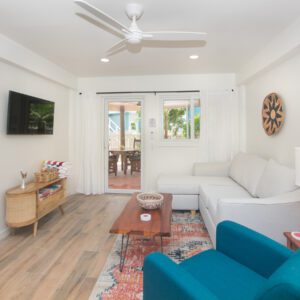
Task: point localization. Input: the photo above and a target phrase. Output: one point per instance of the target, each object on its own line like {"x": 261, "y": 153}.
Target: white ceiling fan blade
{"x": 100, "y": 14}
{"x": 116, "y": 46}
{"x": 118, "y": 50}
{"x": 173, "y": 35}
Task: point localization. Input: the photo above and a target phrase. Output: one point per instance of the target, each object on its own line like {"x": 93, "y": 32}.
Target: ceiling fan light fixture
{"x": 105, "y": 60}
{"x": 134, "y": 38}
{"x": 194, "y": 56}
{"x": 134, "y": 41}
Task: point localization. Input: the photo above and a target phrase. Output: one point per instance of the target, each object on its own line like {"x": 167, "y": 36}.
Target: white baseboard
{"x": 4, "y": 233}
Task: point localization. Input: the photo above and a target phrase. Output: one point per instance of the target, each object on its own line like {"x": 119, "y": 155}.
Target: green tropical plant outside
{"x": 174, "y": 119}
{"x": 197, "y": 125}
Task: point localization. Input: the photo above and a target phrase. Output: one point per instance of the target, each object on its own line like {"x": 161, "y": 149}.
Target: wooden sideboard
{"x": 25, "y": 207}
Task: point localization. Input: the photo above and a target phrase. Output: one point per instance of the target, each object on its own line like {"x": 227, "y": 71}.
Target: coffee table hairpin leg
{"x": 123, "y": 252}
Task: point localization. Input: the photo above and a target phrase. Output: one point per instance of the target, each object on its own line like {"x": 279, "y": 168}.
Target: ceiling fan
{"x": 133, "y": 34}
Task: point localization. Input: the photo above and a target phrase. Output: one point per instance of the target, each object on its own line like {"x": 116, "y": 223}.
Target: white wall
{"x": 18, "y": 55}
{"x": 283, "y": 46}
{"x": 158, "y": 158}
{"x": 26, "y": 152}
{"x": 283, "y": 79}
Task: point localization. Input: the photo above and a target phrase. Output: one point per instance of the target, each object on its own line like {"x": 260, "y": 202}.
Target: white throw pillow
{"x": 246, "y": 170}
{"x": 276, "y": 179}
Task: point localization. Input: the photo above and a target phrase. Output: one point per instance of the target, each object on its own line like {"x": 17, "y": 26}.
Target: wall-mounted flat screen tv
{"x": 29, "y": 115}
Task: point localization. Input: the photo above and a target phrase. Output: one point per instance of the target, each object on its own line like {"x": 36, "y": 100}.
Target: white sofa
{"x": 249, "y": 190}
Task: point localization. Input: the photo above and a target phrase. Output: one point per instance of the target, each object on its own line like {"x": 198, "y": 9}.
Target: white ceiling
{"x": 237, "y": 30}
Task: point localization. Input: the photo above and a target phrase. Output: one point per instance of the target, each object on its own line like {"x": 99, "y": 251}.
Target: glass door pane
{"x": 124, "y": 151}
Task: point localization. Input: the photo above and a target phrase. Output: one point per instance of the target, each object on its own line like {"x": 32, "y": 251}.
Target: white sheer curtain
{"x": 88, "y": 143}
{"x": 219, "y": 125}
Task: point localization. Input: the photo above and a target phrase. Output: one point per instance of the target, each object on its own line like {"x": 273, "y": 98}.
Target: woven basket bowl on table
{"x": 150, "y": 200}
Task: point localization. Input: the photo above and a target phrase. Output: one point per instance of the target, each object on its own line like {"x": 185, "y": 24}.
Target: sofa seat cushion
{"x": 247, "y": 170}
{"x": 185, "y": 202}
{"x": 211, "y": 193}
{"x": 178, "y": 185}
{"x": 187, "y": 185}
{"x": 210, "y": 267}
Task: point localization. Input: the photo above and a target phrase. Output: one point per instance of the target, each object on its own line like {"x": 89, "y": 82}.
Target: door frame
{"x": 122, "y": 98}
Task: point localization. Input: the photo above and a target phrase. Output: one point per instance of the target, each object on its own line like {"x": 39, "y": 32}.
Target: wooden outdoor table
{"x": 124, "y": 154}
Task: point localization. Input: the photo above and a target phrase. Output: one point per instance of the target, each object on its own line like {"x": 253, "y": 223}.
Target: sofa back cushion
{"x": 246, "y": 170}
{"x": 284, "y": 283}
{"x": 211, "y": 169}
{"x": 276, "y": 179}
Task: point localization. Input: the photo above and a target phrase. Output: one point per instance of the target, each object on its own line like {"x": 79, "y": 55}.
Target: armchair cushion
{"x": 250, "y": 248}
{"x": 223, "y": 276}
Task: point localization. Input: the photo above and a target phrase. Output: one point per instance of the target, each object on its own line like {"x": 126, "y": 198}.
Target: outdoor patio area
{"x": 124, "y": 145}
{"x": 125, "y": 182}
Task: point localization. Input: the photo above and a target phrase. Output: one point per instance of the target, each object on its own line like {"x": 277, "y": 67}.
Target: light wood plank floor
{"x": 65, "y": 259}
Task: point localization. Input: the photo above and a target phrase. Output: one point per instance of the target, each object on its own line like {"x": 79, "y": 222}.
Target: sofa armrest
{"x": 290, "y": 197}
{"x": 165, "y": 280}
{"x": 270, "y": 216}
{"x": 250, "y": 248}
{"x": 211, "y": 169}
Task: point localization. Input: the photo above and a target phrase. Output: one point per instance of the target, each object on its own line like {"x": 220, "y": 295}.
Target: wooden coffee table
{"x": 129, "y": 223}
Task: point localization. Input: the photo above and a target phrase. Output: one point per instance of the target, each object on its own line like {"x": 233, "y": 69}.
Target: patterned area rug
{"x": 189, "y": 237}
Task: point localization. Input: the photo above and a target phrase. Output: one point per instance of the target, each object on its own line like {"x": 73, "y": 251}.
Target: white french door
{"x": 123, "y": 146}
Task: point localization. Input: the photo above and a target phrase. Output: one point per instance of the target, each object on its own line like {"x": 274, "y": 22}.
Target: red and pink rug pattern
{"x": 189, "y": 237}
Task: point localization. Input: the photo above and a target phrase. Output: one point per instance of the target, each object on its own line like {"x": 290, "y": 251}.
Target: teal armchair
{"x": 245, "y": 265}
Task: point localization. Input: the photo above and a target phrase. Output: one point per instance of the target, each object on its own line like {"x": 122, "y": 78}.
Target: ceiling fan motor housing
{"x": 134, "y": 11}
{"x": 134, "y": 37}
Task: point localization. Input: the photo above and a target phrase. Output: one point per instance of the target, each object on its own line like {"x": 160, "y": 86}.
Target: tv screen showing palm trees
{"x": 29, "y": 115}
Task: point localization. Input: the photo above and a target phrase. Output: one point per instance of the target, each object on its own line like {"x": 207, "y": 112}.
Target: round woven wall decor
{"x": 272, "y": 114}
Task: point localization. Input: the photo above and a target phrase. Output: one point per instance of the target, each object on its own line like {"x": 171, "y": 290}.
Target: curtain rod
{"x": 147, "y": 92}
